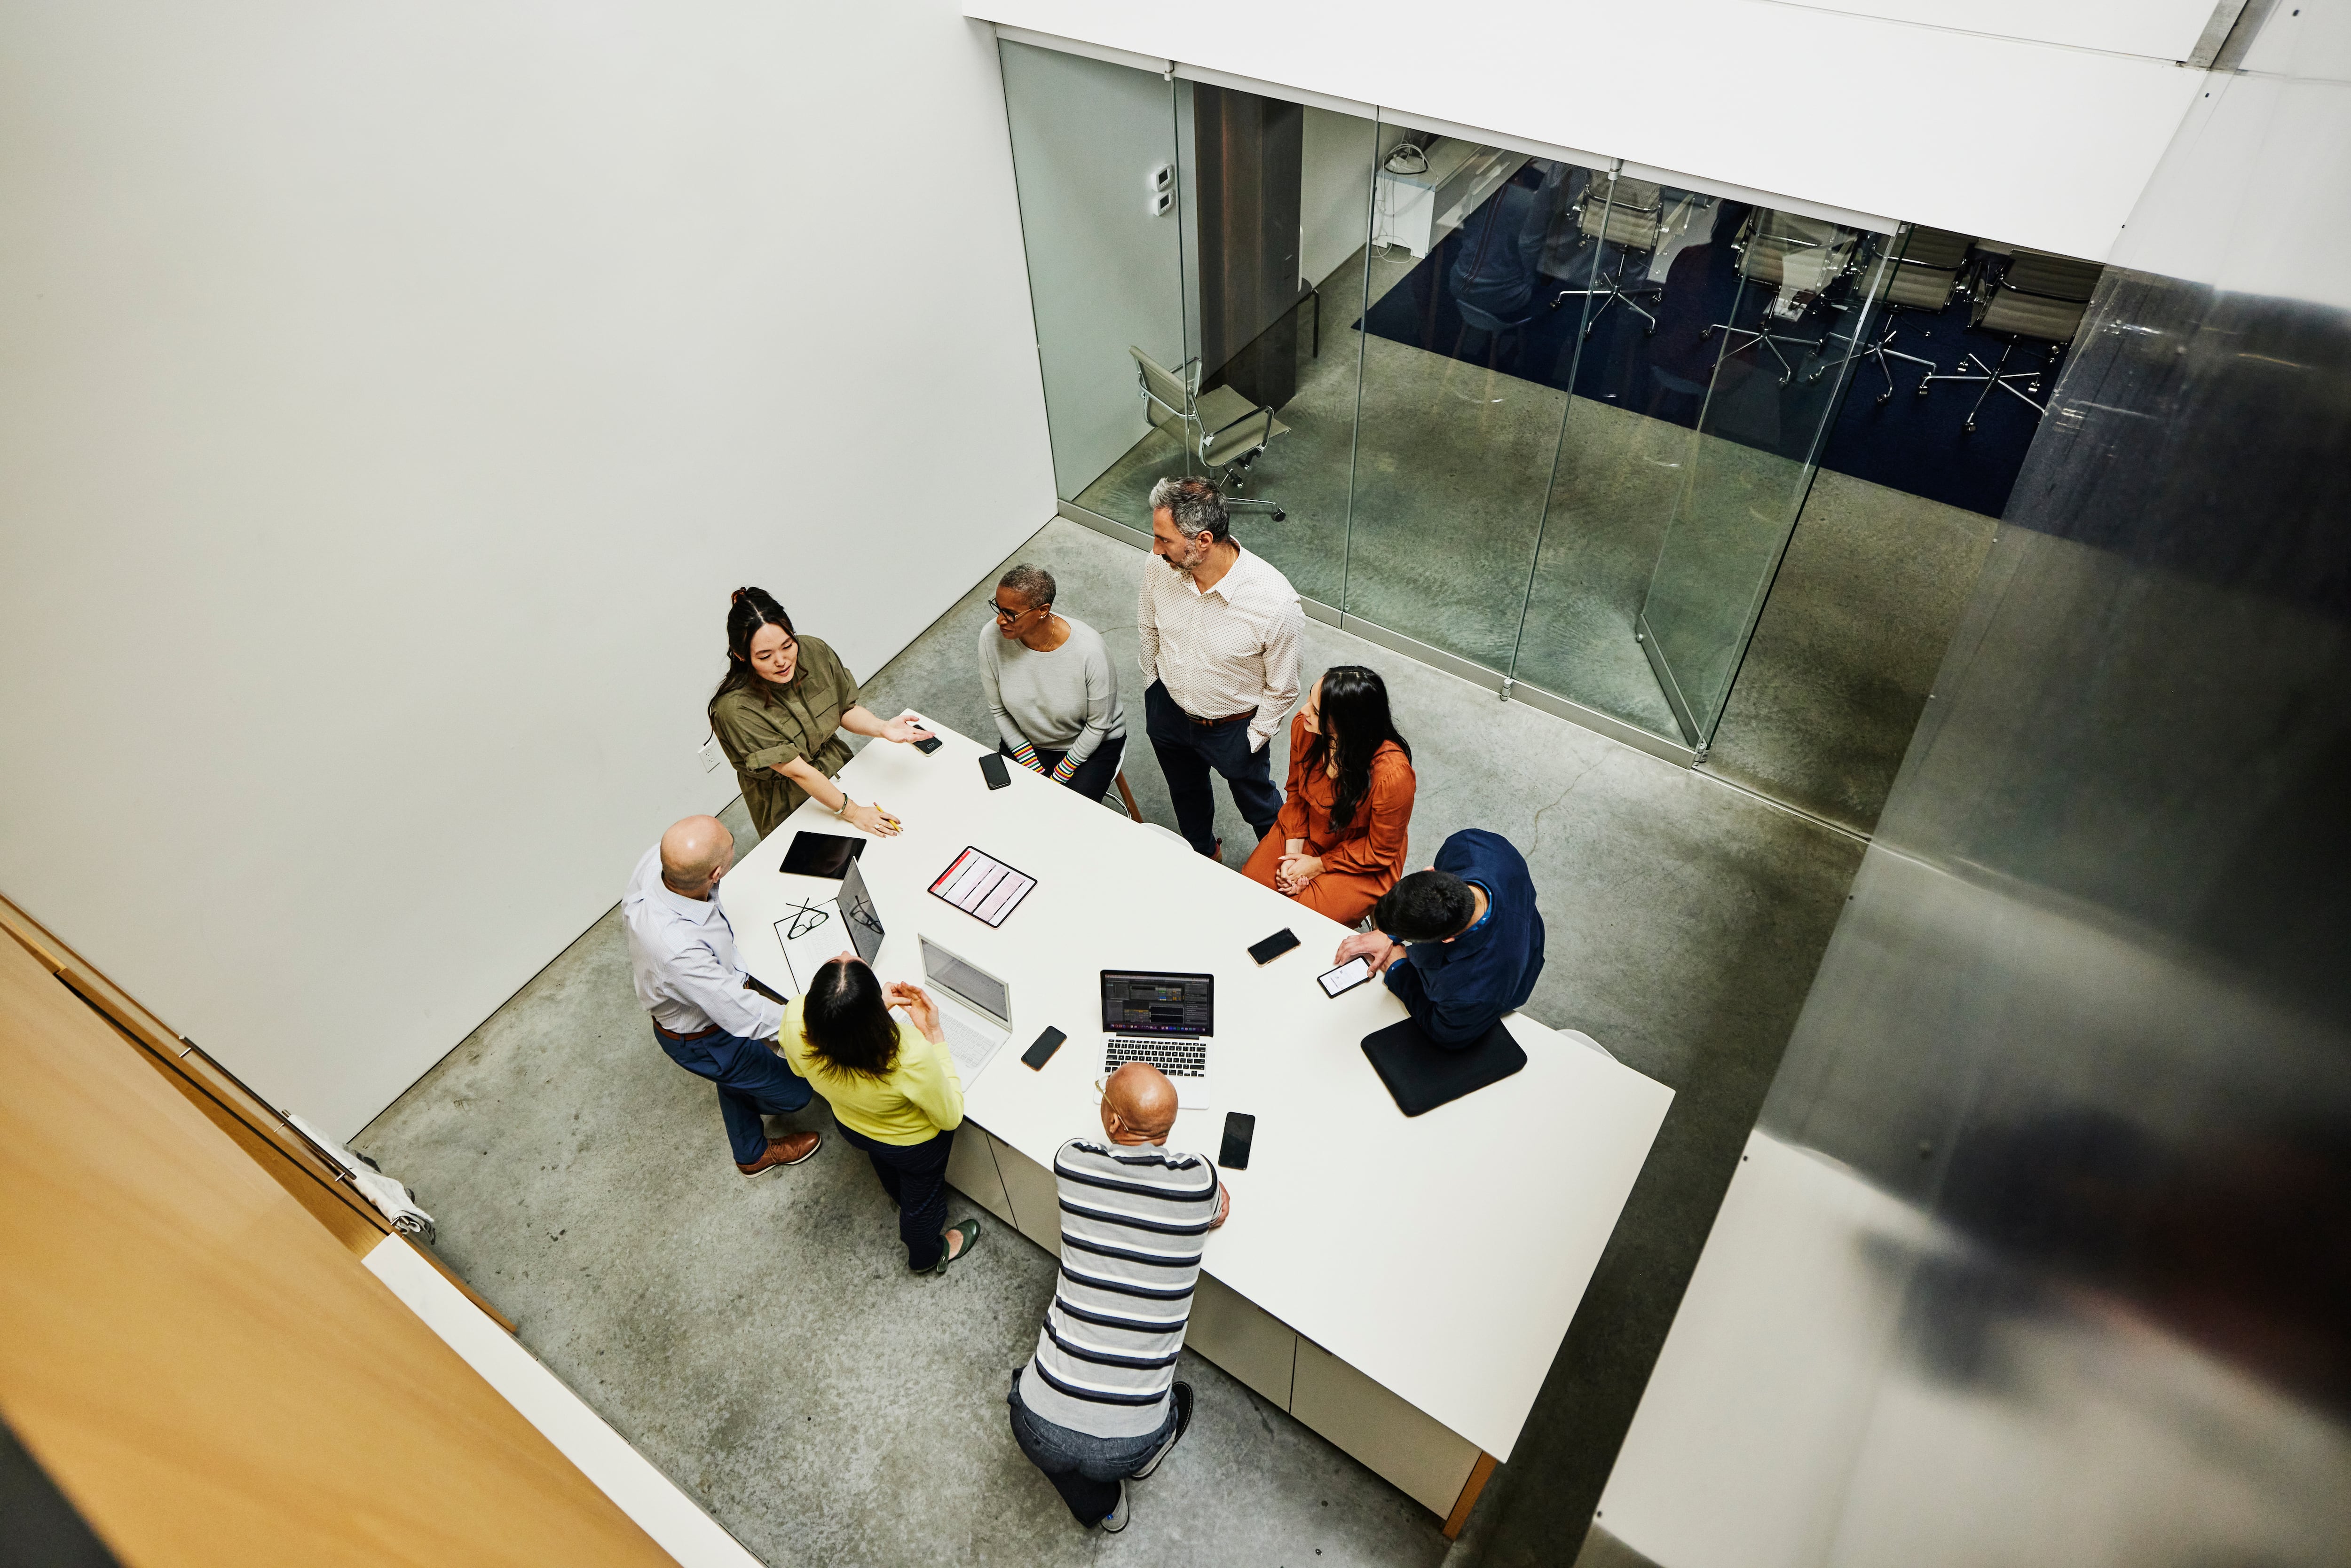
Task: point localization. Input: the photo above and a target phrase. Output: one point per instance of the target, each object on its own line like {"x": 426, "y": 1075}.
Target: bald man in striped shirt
{"x": 1099, "y": 1404}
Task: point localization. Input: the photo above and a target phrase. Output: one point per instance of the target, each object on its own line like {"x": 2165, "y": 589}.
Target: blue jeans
{"x": 751, "y": 1079}
{"x": 1085, "y": 1471}
{"x": 1094, "y": 775}
{"x": 1189, "y": 750}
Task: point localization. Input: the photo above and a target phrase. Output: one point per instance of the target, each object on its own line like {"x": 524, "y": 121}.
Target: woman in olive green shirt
{"x": 894, "y": 1092}
{"x": 779, "y": 713}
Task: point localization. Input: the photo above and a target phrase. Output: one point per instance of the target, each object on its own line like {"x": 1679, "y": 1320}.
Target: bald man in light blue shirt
{"x": 682, "y": 956}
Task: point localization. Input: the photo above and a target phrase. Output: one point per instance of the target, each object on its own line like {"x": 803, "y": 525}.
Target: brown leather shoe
{"x": 789, "y": 1150}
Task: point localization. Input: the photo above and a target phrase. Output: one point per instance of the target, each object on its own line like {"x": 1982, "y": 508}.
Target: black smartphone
{"x": 928, "y": 743}
{"x": 991, "y": 768}
{"x": 1241, "y": 1128}
{"x": 1042, "y": 1051}
{"x": 1347, "y": 977}
{"x": 1274, "y": 946}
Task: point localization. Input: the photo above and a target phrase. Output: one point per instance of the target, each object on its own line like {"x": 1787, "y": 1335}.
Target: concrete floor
{"x": 1429, "y": 495}
{"x": 761, "y": 1343}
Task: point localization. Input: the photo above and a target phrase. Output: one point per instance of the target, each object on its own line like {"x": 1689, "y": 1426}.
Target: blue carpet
{"x": 1494, "y": 265}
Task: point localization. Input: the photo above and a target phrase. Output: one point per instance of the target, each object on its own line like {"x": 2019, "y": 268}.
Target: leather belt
{"x": 698, "y": 1034}
{"x": 1213, "y": 723}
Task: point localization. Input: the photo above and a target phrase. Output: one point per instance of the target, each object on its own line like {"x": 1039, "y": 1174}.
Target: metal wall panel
{"x": 2041, "y": 1253}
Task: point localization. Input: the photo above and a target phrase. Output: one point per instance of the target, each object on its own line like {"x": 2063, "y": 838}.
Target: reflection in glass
{"x": 1551, "y": 421}
{"x": 1464, "y": 376}
{"x": 1654, "y": 279}
{"x": 1803, "y": 294}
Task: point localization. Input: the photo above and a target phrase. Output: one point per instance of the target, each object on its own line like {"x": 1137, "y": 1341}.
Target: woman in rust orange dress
{"x": 1339, "y": 842}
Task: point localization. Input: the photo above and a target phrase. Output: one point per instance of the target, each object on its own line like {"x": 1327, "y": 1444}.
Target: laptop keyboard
{"x": 971, "y": 1049}
{"x": 1175, "y": 1058}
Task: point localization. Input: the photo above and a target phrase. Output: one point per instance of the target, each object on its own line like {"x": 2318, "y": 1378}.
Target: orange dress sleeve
{"x": 1387, "y": 812}
{"x": 1291, "y": 821}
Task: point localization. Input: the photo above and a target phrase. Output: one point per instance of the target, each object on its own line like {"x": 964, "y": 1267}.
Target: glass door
{"x": 1804, "y": 296}
{"x": 1095, "y": 161}
{"x": 1645, "y": 274}
{"x": 1278, "y": 201}
{"x": 1464, "y": 370}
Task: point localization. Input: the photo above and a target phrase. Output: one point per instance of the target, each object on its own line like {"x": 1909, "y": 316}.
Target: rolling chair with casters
{"x": 1223, "y": 429}
{"x": 1925, "y": 279}
{"x": 1767, "y": 242}
{"x": 1626, "y": 214}
{"x": 2037, "y": 297}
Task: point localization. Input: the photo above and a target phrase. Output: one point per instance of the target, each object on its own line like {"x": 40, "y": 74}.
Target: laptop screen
{"x": 967, "y": 982}
{"x": 857, "y": 911}
{"x": 1139, "y": 1001}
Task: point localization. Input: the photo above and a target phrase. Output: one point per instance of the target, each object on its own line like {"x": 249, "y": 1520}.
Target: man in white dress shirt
{"x": 1220, "y": 629}
{"x": 682, "y": 956}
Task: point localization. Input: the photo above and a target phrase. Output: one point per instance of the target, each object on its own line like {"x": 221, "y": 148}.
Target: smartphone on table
{"x": 1240, "y": 1131}
{"x": 1274, "y": 946}
{"x": 1347, "y": 977}
{"x": 1037, "y": 1055}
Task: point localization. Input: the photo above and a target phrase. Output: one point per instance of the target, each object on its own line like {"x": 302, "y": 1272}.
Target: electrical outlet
{"x": 1160, "y": 202}
{"x": 710, "y": 754}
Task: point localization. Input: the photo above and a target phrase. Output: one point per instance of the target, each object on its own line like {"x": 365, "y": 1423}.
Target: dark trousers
{"x": 915, "y": 1177}
{"x": 751, "y": 1079}
{"x": 1094, "y": 775}
{"x": 1189, "y": 751}
{"x": 1085, "y": 1471}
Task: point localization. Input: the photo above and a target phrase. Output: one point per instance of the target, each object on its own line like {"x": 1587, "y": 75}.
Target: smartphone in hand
{"x": 1347, "y": 977}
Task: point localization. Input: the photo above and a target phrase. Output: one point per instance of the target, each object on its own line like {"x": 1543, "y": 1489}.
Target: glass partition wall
{"x": 1532, "y": 418}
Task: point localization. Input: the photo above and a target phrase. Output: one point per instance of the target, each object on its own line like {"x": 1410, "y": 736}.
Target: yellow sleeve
{"x": 929, "y": 1079}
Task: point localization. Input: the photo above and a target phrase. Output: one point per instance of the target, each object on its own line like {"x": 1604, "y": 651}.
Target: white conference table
{"x": 1371, "y": 1261}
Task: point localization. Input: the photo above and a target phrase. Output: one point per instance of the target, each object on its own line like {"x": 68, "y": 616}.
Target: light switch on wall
{"x": 710, "y": 754}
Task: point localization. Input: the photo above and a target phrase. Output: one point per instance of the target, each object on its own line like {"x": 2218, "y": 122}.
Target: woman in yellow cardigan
{"x": 894, "y": 1092}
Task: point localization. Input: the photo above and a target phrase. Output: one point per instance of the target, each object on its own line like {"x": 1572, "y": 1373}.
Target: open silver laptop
{"x": 1165, "y": 1020}
{"x": 974, "y": 1008}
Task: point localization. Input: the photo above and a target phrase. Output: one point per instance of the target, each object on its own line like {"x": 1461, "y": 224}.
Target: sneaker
{"x": 1115, "y": 1519}
{"x": 1182, "y": 1395}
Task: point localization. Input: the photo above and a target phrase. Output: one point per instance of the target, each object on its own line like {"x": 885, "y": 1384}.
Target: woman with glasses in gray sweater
{"x": 1050, "y": 686}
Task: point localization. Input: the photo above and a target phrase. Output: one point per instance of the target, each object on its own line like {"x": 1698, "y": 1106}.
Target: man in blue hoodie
{"x": 1461, "y": 943}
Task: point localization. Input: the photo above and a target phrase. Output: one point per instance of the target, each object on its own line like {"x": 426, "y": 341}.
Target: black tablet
{"x": 822, "y": 854}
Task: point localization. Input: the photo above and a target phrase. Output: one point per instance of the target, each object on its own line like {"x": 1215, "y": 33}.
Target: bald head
{"x": 695, "y": 853}
{"x": 1138, "y": 1104}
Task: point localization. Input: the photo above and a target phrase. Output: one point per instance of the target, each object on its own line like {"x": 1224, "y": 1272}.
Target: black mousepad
{"x": 1423, "y": 1075}
{"x": 821, "y": 855}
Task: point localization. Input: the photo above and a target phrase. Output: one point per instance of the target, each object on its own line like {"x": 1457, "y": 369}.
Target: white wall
{"x": 2020, "y": 139}
{"x": 2236, "y": 203}
{"x": 1335, "y": 190}
{"x": 391, "y": 396}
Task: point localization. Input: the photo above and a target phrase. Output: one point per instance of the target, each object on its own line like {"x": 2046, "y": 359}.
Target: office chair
{"x": 1629, "y": 214}
{"x": 2035, "y": 297}
{"x": 1224, "y": 430}
{"x": 1789, "y": 254}
{"x": 1925, "y": 279}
